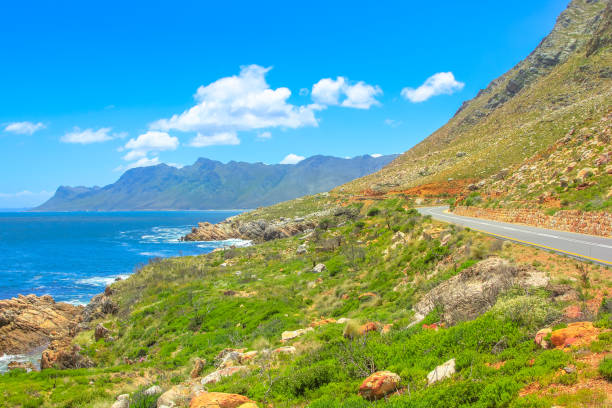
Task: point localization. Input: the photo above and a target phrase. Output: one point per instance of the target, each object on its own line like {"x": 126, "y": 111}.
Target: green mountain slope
{"x": 209, "y": 184}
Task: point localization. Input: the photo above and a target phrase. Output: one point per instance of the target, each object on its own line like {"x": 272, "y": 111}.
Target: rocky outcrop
{"x": 219, "y": 400}
{"x": 100, "y": 306}
{"x": 27, "y": 322}
{"x": 592, "y": 222}
{"x": 62, "y": 354}
{"x": 258, "y": 231}
{"x": 575, "y": 334}
{"x": 290, "y": 335}
{"x": 475, "y": 290}
{"x": 216, "y": 376}
{"x": 379, "y": 385}
{"x": 198, "y": 366}
{"x": 21, "y": 365}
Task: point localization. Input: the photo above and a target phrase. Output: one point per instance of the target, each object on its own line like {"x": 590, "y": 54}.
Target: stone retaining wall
{"x": 593, "y": 223}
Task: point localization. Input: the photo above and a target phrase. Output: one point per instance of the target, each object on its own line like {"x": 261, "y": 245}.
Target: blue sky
{"x": 88, "y": 89}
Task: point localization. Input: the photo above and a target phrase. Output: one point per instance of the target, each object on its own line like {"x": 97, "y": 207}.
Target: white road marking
{"x": 467, "y": 221}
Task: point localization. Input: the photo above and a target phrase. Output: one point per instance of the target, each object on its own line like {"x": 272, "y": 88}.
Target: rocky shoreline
{"x": 31, "y": 324}
{"x": 262, "y": 230}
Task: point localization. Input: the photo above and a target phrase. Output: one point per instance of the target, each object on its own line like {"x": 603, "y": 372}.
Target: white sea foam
{"x": 100, "y": 280}
{"x": 33, "y": 358}
{"x": 153, "y": 254}
{"x": 240, "y": 243}
{"x": 167, "y": 235}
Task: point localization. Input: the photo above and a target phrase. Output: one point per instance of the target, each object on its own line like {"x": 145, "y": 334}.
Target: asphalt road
{"x": 589, "y": 247}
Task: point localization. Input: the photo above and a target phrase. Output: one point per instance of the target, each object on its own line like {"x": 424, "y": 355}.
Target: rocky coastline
{"x": 29, "y": 324}
{"x": 261, "y": 230}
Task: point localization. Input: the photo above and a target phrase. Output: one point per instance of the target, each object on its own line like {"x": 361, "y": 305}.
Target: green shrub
{"x": 372, "y": 212}
{"x": 605, "y": 368}
{"x": 141, "y": 400}
{"x": 531, "y": 312}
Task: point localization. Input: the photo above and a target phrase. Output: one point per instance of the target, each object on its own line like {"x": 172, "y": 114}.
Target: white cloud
{"x": 140, "y": 147}
{"x": 24, "y": 128}
{"x": 143, "y": 162}
{"x": 153, "y": 141}
{"x": 292, "y": 159}
{"x": 264, "y": 135}
{"x": 240, "y": 103}
{"x": 304, "y": 91}
{"x": 393, "y": 123}
{"x": 437, "y": 84}
{"x": 359, "y": 95}
{"x": 88, "y": 136}
{"x": 218, "y": 139}
{"x": 375, "y": 155}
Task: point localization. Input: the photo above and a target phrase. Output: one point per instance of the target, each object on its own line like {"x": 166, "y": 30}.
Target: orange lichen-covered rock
{"x": 219, "y": 400}
{"x": 368, "y": 327}
{"x": 575, "y": 334}
{"x": 379, "y": 384}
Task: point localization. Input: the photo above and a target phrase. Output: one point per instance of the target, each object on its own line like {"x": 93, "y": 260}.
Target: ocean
{"x": 72, "y": 256}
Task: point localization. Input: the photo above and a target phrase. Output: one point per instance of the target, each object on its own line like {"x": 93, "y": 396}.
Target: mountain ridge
{"x": 212, "y": 185}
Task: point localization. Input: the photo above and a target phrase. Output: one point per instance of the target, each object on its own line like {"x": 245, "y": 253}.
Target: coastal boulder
{"x": 379, "y": 384}
{"x": 219, "y": 400}
{"x": 62, "y": 354}
{"x": 100, "y": 332}
{"x": 99, "y": 306}
{"x": 19, "y": 365}
{"x": 27, "y": 322}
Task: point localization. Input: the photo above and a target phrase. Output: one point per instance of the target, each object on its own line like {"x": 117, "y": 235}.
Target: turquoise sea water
{"x": 73, "y": 256}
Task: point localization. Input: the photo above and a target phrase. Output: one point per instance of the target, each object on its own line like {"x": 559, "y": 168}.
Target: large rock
{"x": 27, "y": 322}
{"x": 62, "y": 354}
{"x": 100, "y": 332}
{"x": 475, "y": 290}
{"x": 289, "y": 335}
{"x": 21, "y": 365}
{"x": 441, "y": 372}
{"x": 99, "y": 306}
{"x": 379, "y": 384}
{"x": 319, "y": 268}
{"x": 219, "y": 400}
{"x": 177, "y": 396}
{"x": 198, "y": 366}
{"x": 575, "y": 334}
{"x": 216, "y": 376}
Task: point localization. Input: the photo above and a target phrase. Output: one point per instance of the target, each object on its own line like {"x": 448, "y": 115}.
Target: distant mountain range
{"x": 210, "y": 184}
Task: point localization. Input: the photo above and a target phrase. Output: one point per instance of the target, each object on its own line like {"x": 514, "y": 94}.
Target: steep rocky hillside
{"x": 574, "y": 173}
{"x": 564, "y": 82}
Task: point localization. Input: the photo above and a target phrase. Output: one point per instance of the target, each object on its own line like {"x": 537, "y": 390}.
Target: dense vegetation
{"x": 175, "y": 310}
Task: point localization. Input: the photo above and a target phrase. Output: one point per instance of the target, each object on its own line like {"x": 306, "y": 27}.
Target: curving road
{"x": 588, "y": 247}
